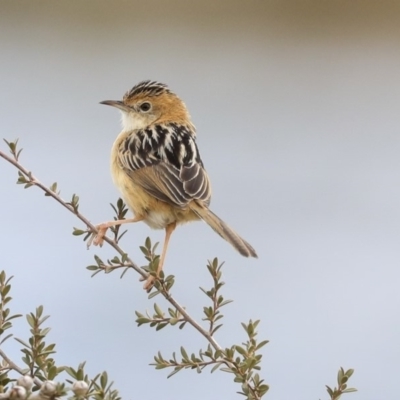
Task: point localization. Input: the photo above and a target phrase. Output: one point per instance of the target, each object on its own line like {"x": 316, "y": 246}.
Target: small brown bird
{"x": 156, "y": 165}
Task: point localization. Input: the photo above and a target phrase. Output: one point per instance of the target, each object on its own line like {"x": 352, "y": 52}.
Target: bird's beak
{"x": 115, "y": 103}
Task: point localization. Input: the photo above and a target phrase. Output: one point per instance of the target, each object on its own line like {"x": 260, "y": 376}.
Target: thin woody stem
{"x": 58, "y": 198}
{"x": 34, "y": 181}
{"x": 55, "y": 196}
{"x": 15, "y": 367}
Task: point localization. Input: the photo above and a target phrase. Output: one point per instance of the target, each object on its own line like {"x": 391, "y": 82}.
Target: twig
{"x": 15, "y": 367}
{"x": 34, "y": 181}
{"x": 58, "y": 198}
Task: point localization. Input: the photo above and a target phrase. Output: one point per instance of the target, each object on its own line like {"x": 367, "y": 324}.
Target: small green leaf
{"x": 147, "y": 243}
{"x": 262, "y": 389}
{"x": 216, "y": 328}
{"x": 158, "y": 310}
{"x": 142, "y": 320}
{"x": 6, "y": 337}
{"x": 78, "y": 232}
{"x": 103, "y": 380}
{"x": 349, "y": 390}
{"x": 184, "y": 354}
{"x": 154, "y": 294}
{"x": 261, "y": 344}
{"x": 340, "y": 375}
{"x": 224, "y": 303}
{"x": 349, "y": 372}
{"x": 144, "y": 250}
{"x": 176, "y": 370}
{"x": 215, "y": 367}
{"x": 161, "y": 325}
{"x": 182, "y": 325}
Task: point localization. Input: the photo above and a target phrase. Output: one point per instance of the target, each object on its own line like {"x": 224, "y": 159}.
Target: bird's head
{"x": 150, "y": 102}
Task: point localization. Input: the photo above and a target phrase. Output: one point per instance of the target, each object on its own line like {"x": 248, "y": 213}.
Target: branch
{"x": 15, "y": 367}
{"x": 34, "y": 181}
{"x": 30, "y": 180}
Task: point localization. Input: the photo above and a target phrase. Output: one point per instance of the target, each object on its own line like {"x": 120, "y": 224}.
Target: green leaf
{"x": 184, "y": 354}
{"x": 113, "y": 207}
{"x": 142, "y": 320}
{"x": 147, "y": 243}
{"x": 23, "y": 343}
{"x": 349, "y": 372}
{"x": 103, "y": 380}
{"x": 52, "y": 188}
{"x": 215, "y": 367}
{"x": 78, "y": 232}
{"x": 161, "y": 325}
{"x": 241, "y": 351}
{"x": 115, "y": 260}
{"x": 80, "y": 375}
{"x": 224, "y": 303}
{"x": 340, "y": 375}
{"x": 10, "y": 143}
{"x": 5, "y": 338}
{"x": 329, "y": 390}
{"x": 216, "y": 328}
{"x": 182, "y": 325}
{"x": 6, "y": 290}
{"x": 154, "y": 294}
{"x": 262, "y": 389}
{"x": 30, "y": 320}
{"x": 158, "y": 310}
{"x": 176, "y": 370}
{"x": 349, "y": 390}
{"x": 52, "y": 372}
{"x": 261, "y": 344}
{"x": 144, "y": 250}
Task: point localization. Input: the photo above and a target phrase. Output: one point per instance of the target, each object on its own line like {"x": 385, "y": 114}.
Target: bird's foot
{"x": 97, "y": 239}
{"x": 148, "y": 285}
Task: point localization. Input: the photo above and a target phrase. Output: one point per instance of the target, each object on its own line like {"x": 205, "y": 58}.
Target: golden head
{"x": 147, "y": 103}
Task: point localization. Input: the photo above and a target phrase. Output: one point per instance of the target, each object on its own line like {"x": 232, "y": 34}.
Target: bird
{"x": 156, "y": 165}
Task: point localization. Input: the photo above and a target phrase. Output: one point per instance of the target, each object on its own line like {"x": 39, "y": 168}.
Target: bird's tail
{"x": 219, "y": 226}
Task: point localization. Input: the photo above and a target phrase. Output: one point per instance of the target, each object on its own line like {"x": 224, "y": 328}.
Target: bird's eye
{"x": 145, "y": 107}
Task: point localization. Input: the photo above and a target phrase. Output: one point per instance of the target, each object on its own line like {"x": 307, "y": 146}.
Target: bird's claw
{"x": 148, "y": 285}
{"x": 97, "y": 238}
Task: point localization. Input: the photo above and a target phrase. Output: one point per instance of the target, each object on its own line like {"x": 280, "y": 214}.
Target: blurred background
{"x": 296, "y": 104}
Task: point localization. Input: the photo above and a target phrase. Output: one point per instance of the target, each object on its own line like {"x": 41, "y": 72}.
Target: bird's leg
{"x": 98, "y": 238}
{"x": 168, "y": 232}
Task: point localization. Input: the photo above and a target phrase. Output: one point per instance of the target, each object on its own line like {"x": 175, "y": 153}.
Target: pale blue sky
{"x": 296, "y": 105}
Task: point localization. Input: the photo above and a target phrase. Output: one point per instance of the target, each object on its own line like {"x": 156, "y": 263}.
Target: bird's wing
{"x": 165, "y": 162}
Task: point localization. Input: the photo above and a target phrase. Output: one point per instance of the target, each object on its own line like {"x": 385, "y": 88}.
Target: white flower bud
{"x": 25, "y": 381}
{"x": 4, "y": 396}
{"x": 80, "y": 388}
{"x": 48, "y": 388}
{"x": 17, "y": 393}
